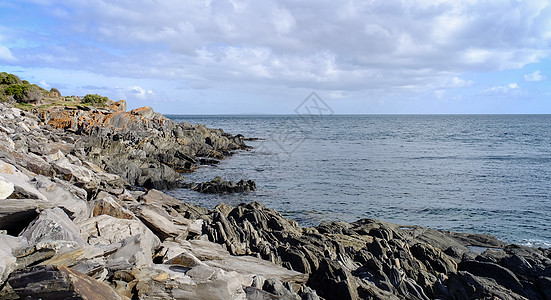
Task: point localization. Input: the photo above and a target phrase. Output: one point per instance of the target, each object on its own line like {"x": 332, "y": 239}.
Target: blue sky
{"x": 234, "y": 57}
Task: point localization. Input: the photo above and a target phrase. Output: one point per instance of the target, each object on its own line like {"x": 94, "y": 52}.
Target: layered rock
{"x": 69, "y": 226}
{"x": 142, "y": 146}
{"x": 69, "y": 229}
{"x": 371, "y": 259}
{"x": 221, "y": 186}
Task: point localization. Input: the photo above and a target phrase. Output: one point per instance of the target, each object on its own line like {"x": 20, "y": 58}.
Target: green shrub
{"x": 24, "y": 92}
{"x": 16, "y": 90}
{"x": 10, "y": 79}
{"x": 94, "y": 99}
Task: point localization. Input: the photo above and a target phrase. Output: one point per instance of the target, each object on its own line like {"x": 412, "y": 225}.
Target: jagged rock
{"x": 224, "y": 209}
{"x": 190, "y": 211}
{"x": 276, "y": 287}
{"x": 201, "y": 282}
{"x": 501, "y": 275}
{"x": 142, "y": 146}
{"x": 433, "y": 258}
{"x": 157, "y": 222}
{"x": 62, "y": 194}
{"x": 214, "y": 255}
{"x": 108, "y": 206}
{"x": 220, "y": 186}
{"x": 16, "y": 214}
{"x": 138, "y": 242}
{"x": 52, "y": 225}
{"x": 464, "y": 285}
{"x": 332, "y": 281}
{"x": 21, "y": 181}
{"x": 51, "y": 282}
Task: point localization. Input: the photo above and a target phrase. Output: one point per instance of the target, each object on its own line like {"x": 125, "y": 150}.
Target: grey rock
{"x": 52, "y": 225}
{"x": 276, "y": 287}
{"x": 8, "y": 261}
{"x": 137, "y": 242}
{"x": 158, "y": 221}
{"x": 501, "y": 275}
{"x": 331, "y": 281}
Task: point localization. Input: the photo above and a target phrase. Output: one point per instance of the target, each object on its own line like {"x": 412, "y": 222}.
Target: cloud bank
{"x": 376, "y": 47}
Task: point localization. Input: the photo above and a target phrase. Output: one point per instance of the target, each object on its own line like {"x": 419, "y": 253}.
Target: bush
{"x": 94, "y": 99}
{"x": 24, "y": 92}
{"x": 16, "y": 90}
{"x": 10, "y": 79}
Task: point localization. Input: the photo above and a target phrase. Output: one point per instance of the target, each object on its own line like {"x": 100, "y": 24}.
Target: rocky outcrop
{"x": 70, "y": 228}
{"x": 220, "y": 186}
{"x": 142, "y": 146}
{"x": 378, "y": 260}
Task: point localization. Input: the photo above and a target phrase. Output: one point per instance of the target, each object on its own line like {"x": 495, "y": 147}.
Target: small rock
{"x": 6, "y": 188}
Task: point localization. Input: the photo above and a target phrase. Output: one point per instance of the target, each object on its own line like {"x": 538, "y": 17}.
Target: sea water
{"x": 469, "y": 173}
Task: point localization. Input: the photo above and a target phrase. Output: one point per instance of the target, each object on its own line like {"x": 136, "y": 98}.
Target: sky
{"x": 267, "y": 57}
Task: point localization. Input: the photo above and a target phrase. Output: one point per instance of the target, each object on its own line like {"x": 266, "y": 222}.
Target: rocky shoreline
{"x": 82, "y": 216}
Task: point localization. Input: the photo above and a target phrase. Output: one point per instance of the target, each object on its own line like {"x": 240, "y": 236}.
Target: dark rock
{"x": 464, "y": 285}
{"x": 51, "y": 282}
{"x": 544, "y": 285}
{"x": 434, "y": 258}
{"x": 254, "y": 293}
{"x": 220, "y": 186}
{"x": 331, "y": 281}
{"x": 276, "y": 287}
{"x": 501, "y": 275}
{"x": 16, "y": 214}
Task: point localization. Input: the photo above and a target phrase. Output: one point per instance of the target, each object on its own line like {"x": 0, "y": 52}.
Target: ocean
{"x": 468, "y": 173}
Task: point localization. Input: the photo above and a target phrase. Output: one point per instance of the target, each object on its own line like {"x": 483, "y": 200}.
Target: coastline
{"x": 84, "y": 206}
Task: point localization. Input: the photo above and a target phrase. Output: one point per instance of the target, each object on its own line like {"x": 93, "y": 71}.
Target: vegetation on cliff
{"x": 27, "y": 96}
{"x": 13, "y": 89}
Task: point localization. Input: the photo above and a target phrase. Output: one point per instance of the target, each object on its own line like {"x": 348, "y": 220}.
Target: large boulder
{"x": 52, "y": 225}
{"x": 137, "y": 242}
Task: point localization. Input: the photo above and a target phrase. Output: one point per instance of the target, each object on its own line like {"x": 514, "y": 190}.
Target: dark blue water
{"x": 470, "y": 173}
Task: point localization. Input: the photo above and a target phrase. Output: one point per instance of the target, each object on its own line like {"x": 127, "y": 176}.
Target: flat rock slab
{"x": 51, "y": 282}
{"x": 215, "y": 255}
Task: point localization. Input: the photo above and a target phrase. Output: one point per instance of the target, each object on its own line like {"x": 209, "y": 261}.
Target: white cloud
{"x": 457, "y": 82}
{"x": 5, "y": 54}
{"x": 535, "y": 76}
{"x": 503, "y": 89}
{"x": 139, "y": 92}
{"x": 44, "y": 84}
{"x": 374, "y": 45}
{"x": 136, "y": 93}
